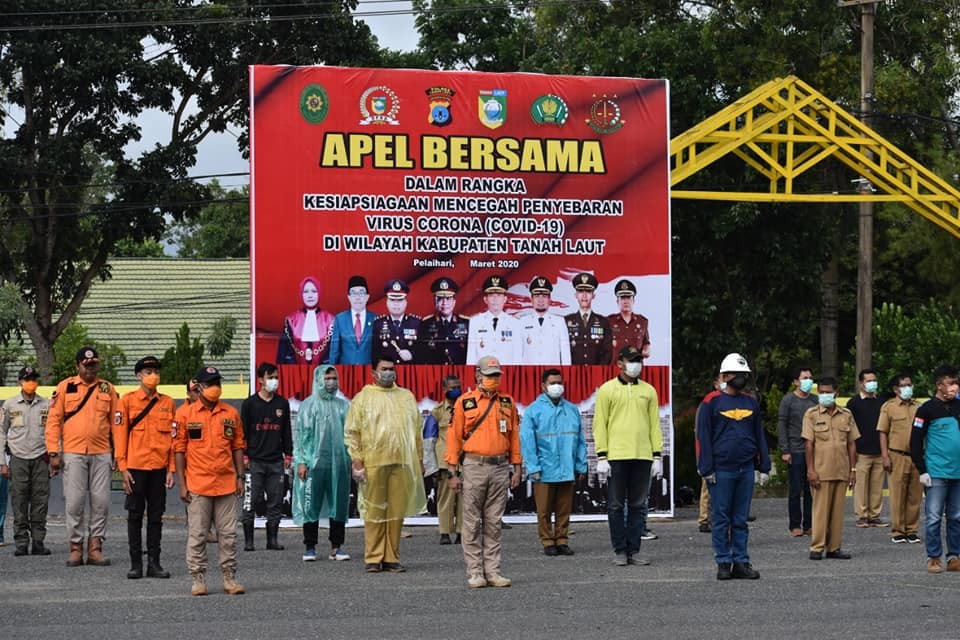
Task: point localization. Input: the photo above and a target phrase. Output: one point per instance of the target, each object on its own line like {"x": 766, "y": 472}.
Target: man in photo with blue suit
{"x": 353, "y": 328}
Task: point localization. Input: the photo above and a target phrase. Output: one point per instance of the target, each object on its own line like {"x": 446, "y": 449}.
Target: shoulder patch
{"x": 104, "y": 387}
{"x": 117, "y": 417}
{"x": 507, "y": 402}
{"x": 469, "y": 403}
{"x": 918, "y": 423}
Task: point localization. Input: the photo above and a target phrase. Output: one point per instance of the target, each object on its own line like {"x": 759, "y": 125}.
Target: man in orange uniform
{"x": 142, "y": 436}
{"x": 486, "y": 430}
{"x": 208, "y": 447}
{"x": 78, "y": 425}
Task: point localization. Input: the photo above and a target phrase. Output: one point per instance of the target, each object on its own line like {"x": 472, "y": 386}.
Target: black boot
{"x": 136, "y": 565}
{"x": 248, "y": 536}
{"x": 272, "y": 530}
{"x": 154, "y": 570}
{"x": 135, "y": 541}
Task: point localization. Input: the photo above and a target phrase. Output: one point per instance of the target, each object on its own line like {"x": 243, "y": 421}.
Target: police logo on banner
{"x": 492, "y": 105}
{"x": 440, "y": 101}
{"x": 379, "y": 105}
{"x": 605, "y": 116}
{"x": 314, "y": 103}
{"x": 549, "y": 109}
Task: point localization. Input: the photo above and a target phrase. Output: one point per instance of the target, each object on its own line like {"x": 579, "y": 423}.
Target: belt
{"x": 473, "y": 457}
{"x": 903, "y": 453}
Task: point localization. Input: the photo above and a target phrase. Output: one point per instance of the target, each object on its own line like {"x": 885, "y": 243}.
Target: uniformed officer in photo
{"x": 590, "y": 335}
{"x": 443, "y": 334}
{"x": 494, "y": 332}
{"x": 395, "y": 334}
{"x": 545, "y": 339}
{"x": 629, "y": 328}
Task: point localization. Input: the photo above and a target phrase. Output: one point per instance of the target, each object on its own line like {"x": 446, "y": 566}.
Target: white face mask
{"x": 271, "y": 385}
{"x": 633, "y": 369}
{"x": 554, "y": 391}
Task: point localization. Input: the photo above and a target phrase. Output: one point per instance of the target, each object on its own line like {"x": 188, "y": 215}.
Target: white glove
{"x": 761, "y": 478}
{"x": 534, "y": 476}
{"x": 926, "y": 480}
{"x": 603, "y": 470}
{"x": 656, "y": 469}
{"x": 711, "y": 479}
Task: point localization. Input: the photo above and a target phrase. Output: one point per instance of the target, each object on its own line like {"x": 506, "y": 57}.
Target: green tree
{"x": 12, "y": 313}
{"x": 71, "y": 340}
{"x": 221, "y": 230}
{"x": 78, "y": 75}
{"x": 184, "y": 359}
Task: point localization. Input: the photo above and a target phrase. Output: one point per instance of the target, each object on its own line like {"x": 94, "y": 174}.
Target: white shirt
{"x": 547, "y": 343}
{"x": 503, "y": 342}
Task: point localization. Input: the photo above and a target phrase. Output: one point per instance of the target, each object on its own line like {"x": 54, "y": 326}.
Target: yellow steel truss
{"x": 785, "y": 128}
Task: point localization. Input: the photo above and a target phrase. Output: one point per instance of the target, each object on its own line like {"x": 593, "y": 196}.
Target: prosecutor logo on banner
{"x": 441, "y": 99}
{"x": 549, "y": 109}
{"x": 605, "y": 116}
{"x": 493, "y": 107}
{"x": 379, "y": 105}
{"x": 314, "y": 103}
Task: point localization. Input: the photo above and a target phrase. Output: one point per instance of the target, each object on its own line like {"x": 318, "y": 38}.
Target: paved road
{"x": 884, "y": 592}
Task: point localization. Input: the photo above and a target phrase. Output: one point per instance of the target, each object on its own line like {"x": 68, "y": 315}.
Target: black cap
{"x": 540, "y": 285}
{"x": 87, "y": 353}
{"x": 396, "y": 289}
{"x": 625, "y": 288}
{"x": 585, "y": 282}
{"x": 207, "y": 374}
{"x": 630, "y": 353}
{"x": 357, "y": 281}
{"x": 147, "y": 362}
{"x": 28, "y": 373}
{"x": 444, "y": 288}
{"x": 495, "y": 284}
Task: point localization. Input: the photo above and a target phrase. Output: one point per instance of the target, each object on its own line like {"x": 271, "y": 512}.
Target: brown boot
{"x": 230, "y": 585}
{"x": 76, "y": 554}
{"x": 95, "y": 552}
{"x": 199, "y": 587}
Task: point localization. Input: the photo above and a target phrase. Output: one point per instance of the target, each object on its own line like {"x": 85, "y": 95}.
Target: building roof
{"x": 146, "y": 301}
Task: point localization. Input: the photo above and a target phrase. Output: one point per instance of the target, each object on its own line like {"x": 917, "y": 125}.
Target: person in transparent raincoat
{"x": 321, "y": 488}
{"x": 385, "y": 442}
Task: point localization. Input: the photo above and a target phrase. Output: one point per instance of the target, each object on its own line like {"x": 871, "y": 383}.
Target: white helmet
{"x": 734, "y": 363}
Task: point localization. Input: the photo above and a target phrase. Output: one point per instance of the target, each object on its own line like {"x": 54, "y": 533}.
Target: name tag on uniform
{"x": 503, "y": 425}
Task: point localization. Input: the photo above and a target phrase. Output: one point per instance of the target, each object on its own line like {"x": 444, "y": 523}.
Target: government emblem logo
{"x": 605, "y": 116}
{"x": 492, "y": 106}
{"x": 314, "y": 103}
{"x": 440, "y": 99}
{"x": 379, "y": 105}
{"x": 549, "y": 109}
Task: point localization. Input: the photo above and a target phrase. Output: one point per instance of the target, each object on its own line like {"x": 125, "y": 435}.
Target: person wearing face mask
{"x": 79, "y": 425}
{"x": 435, "y": 429}
{"x": 269, "y": 453}
{"x": 483, "y": 443}
{"x": 935, "y": 450}
{"x": 144, "y": 451}
{"x": 554, "y": 454}
{"x": 208, "y": 447}
{"x": 733, "y": 448}
{"x": 793, "y": 406}
{"x": 628, "y": 438}
{"x": 22, "y": 421}
{"x": 830, "y": 433}
{"x": 894, "y": 426}
{"x": 385, "y": 442}
{"x": 321, "y": 488}
{"x": 868, "y": 494}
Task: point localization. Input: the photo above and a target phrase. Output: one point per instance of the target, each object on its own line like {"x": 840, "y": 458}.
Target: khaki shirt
{"x": 442, "y": 413}
{"x": 830, "y": 435}
{"x": 22, "y": 427}
{"x": 896, "y": 420}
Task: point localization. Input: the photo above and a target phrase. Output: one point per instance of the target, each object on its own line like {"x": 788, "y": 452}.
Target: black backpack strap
{"x": 143, "y": 414}
{"x": 70, "y": 414}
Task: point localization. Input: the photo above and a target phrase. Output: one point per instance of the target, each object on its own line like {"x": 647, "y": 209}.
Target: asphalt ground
{"x": 883, "y": 592}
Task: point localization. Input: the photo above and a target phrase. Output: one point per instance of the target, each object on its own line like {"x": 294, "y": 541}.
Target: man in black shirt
{"x": 868, "y": 492}
{"x": 266, "y": 424}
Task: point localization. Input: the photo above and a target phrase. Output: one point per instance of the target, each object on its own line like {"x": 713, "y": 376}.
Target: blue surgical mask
{"x": 870, "y": 386}
{"x": 723, "y": 385}
{"x": 453, "y": 394}
{"x": 827, "y": 399}
{"x": 806, "y": 384}
{"x": 906, "y": 392}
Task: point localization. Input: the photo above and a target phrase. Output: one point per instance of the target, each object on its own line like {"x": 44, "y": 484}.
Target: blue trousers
{"x": 943, "y": 498}
{"x": 730, "y": 498}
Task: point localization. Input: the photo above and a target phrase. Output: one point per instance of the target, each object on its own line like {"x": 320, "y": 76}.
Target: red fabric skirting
{"x": 522, "y": 382}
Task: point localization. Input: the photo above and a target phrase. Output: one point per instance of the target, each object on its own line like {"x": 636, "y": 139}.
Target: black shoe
{"x": 724, "y": 571}
{"x": 648, "y": 535}
{"x": 751, "y": 518}
{"x": 744, "y": 571}
{"x": 504, "y": 525}
{"x": 445, "y": 538}
{"x": 154, "y": 570}
{"x": 912, "y": 538}
{"x": 457, "y": 539}
{"x": 550, "y": 551}
{"x": 564, "y": 550}
{"x": 136, "y": 569}
{"x": 839, "y": 554}
{"x": 248, "y": 536}
{"x": 394, "y": 567}
{"x": 273, "y": 529}
{"x": 899, "y": 539}
{"x": 372, "y": 567}
{"x": 816, "y": 555}
{"x": 21, "y": 550}
{"x": 38, "y": 549}
{"x": 706, "y": 528}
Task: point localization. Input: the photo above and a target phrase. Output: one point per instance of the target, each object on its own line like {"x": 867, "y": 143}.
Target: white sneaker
{"x": 338, "y": 555}
{"x": 477, "y": 581}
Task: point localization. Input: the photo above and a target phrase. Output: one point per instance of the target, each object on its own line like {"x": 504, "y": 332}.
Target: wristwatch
{"x": 450, "y": 473}
{"x": 53, "y": 454}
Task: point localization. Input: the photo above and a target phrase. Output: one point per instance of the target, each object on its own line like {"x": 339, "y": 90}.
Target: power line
{"x": 103, "y": 185}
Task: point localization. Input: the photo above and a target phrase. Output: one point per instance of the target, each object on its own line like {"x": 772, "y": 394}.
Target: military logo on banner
{"x": 441, "y": 99}
{"x": 379, "y": 105}
{"x": 492, "y": 105}
{"x": 549, "y": 109}
{"x": 605, "y": 116}
{"x": 314, "y": 103}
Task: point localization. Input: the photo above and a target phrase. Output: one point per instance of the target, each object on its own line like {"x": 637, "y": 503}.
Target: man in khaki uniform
{"x": 448, "y": 502}
{"x": 830, "y": 433}
{"x": 895, "y": 424}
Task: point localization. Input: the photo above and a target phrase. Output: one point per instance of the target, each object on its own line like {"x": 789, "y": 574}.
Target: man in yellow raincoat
{"x": 385, "y": 442}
